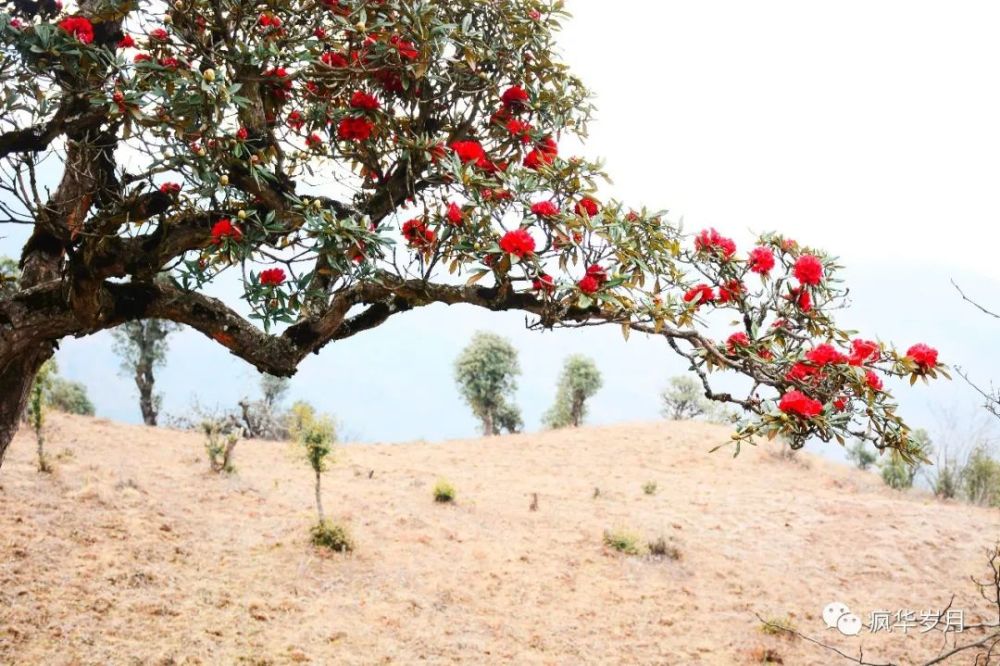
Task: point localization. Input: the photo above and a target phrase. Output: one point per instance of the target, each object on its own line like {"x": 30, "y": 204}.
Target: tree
{"x": 861, "y": 456}
{"x": 142, "y": 347}
{"x": 900, "y": 473}
{"x": 68, "y": 396}
{"x": 684, "y": 399}
{"x": 579, "y": 381}
{"x": 348, "y": 162}
{"x": 486, "y": 373}
{"x": 37, "y": 409}
{"x": 262, "y": 418}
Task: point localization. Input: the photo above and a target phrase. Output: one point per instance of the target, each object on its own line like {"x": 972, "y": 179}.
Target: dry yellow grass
{"x": 131, "y": 552}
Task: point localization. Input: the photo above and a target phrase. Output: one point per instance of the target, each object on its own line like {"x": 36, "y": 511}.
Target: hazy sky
{"x": 869, "y": 129}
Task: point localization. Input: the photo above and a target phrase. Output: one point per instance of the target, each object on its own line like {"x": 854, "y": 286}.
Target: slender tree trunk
{"x": 576, "y": 411}
{"x": 18, "y": 366}
{"x": 488, "y": 423}
{"x": 319, "y": 499}
{"x": 145, "y": 382}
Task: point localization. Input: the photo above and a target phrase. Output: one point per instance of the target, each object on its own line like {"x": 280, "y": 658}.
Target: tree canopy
{"x": 350, "y": 160}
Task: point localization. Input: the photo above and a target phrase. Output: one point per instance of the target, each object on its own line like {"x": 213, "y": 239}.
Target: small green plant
{"x": 777, "y": 626}
{"x": 623, "y": 541}
{"x": 444, "y": 492}
{"x": 332, "y": 536}
{"x": 221, "y": 438}
{"x": 660, "y": 547}
{"x": 37, "y": 407}
{"x": 649, "y": 487}
{"x": 862, "y": 456}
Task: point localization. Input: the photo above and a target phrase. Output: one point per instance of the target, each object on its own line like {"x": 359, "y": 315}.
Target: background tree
{"x": 862, "y": 456}
{"x": 350, "y": 161}
{"x": 37, "y": 409}
{"x": 263, "y": 419}
{"x": 68, "y": 396}
{"x": 142, "y": 347}
{"x": 486, "y": 372}
{"x": 683, "y": 399}
{"x": 579, "y": 381}
{"x": 899, "y": 473}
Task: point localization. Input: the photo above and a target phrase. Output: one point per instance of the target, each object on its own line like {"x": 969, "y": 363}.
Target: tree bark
{"x": 147, "y": 404}
{"x": 488, "y": 423}
{"x": 319, "y": 499}
{"x": 18, "y": 366}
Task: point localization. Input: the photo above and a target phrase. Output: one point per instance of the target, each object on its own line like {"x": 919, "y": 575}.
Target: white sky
{"x": 870, "y": 129}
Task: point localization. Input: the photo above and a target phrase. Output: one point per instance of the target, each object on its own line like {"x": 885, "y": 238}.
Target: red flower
{"x": 272, "y": 277}
{"x": 800, "y": 372}
{"x": 170, "y": 188}
{"x": 801, "y": 298}
{"x": 808, "y": 269}
{"x": 840, "y": 403}
{"x": 314, "y": 140}
{"x": 406, "y": 48}
{"x": 544, "y": 282}
{"x": 225, "y": 229}
{"x": 520, "y": 129}
{"x": 514, "y": 98}
{"x": 761, "y": 260}
{"x": 170, "y": 63}
{"x": 295, "y": 120}
{"x": 710, "y": 240}
{"x": 242, "y": 134}
{"x": 79, "y": 27}
{"x": 142, "y": 57}
{"x": 598, "y": 273}
{"x": 331, "y": 59}
{"x": 545, "y": 209}
{"x": 730, "y": 291}
{"x": 587, "y": 206}
{"x": 364, "y": 101}
{"x": 862, "y": 350}
{"x": 517, "y": 242}
{"x": 470, "y": 151}
{"x": 873, "y": 380}
{"x": 415, "y": 231}
{"x": 319, "y": 33}
{"x": 700, "y": 294}
{"x": 925, "y": 357}
{"x": 355, "y": 129}
{"x": 797, "y": 403}
{"x": 589, "y": 284}
{"x": 159, "y": 35}
{"x": 738, "y": 339}
{"x": 454, "y": 214}
{"x": 825, "y": 354}
{"x": 126, "y": 42}
{"x": 535, "y": 159}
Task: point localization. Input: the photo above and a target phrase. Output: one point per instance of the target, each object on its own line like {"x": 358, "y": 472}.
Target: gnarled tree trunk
{"x": 145, "y": 381}
{"x": 19, "y": 363}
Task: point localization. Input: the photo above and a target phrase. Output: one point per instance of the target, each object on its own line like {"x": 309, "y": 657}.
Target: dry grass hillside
{"x": 132, "y": 553}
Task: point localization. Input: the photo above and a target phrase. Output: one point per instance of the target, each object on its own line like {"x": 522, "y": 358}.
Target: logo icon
{"x": 838, "y": 616}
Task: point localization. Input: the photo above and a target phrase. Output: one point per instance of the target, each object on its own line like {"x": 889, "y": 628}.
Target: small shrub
{"x": 980, "y": 478}
{"x": 649, "y": 487}
{"x": 623, "y": 541}
{"x": 778, "y": 626}
{"x": 332, "y": 536}
{"x": 444, "y": 492}
{"x": 660, "y": 547}
{"x": 862, "y": 456}
{"x": 221, "y": 438}
{"x": 67, "y": 396}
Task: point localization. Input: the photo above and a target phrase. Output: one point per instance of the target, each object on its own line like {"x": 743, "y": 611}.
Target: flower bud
{"x": 208, "y": 75}
{"x": 242, "y": 215}
{"x": 224, "y": 180}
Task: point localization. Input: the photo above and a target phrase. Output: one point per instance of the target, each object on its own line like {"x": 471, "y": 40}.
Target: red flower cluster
{"x": 710, "y": 240}
{"x": 364, "y": 101}
{"x": 355, "y": 129}
{"x": 517, "y": 242}
{"x": 126, "y": 42}
{"x": 159, "y": 35}
{"x": 170, "y": 188}
{"x": 407, "y": 50}
{"x": 545, "y": 153}
{"x": 455, "y": 215}
{"x": 874, "y": 381}
{"x": 798, "y": 403}
{"x": 242, "y": 134}
{"x": 825, "y": 354}
{"x": 332, "y": 59}
{"x": 272, "y": 277}
{"x": 314, "y": 141}
{"x": 417, "y": 234}
{"x": 595, "y": 278}
{"x": 520, "y": 129}
{"x": 923, "y": 356}
{"x": 700, "y": 294}
{"x": 225, "y": 229}
{"x": 862, "y": 350}
{"x": 514, "y": 98}
{"x": 545, "y": 209}
{"x": 808, "y": 270}
{"x": 761, "y": 260}
{"x": 544, "y": 282}
{"x": 79, "y": 27}
{"x": 295, "y": 120}
{"x": 471, "y": 152}
{"x": 801, "y": 298}
{"x": 737, "y": 340}
{"x": 730, "y": 291}
{"x": 587, "y": 206}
